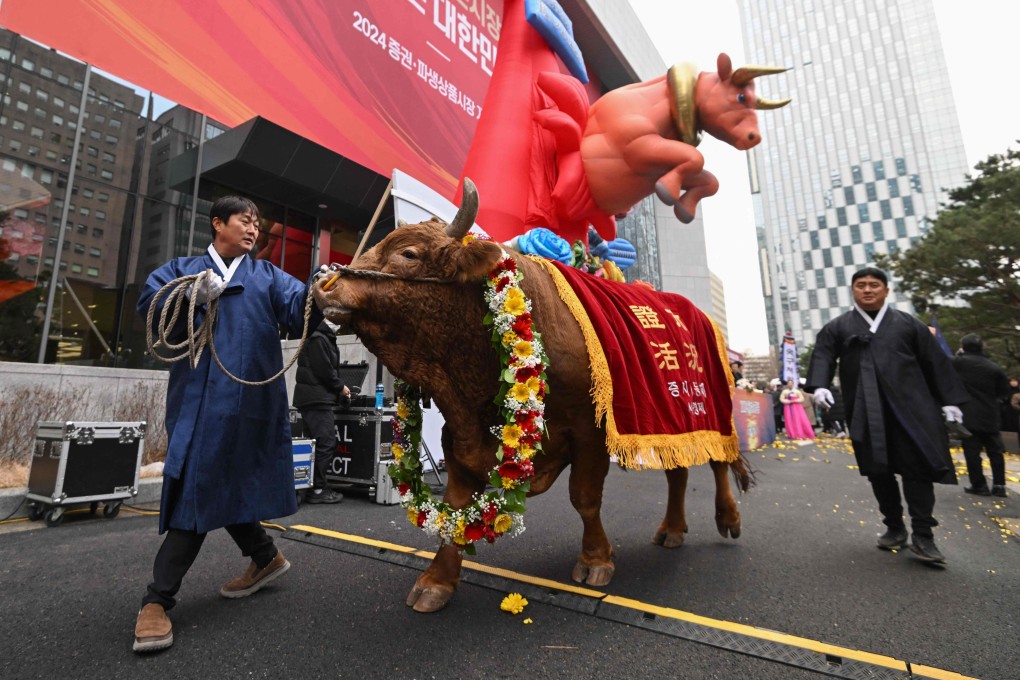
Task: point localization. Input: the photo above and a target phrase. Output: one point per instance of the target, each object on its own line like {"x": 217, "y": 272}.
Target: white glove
{"x": 210, "y": 288}
{"x": 823, "y": 398}
{"x": 953, "y": 414}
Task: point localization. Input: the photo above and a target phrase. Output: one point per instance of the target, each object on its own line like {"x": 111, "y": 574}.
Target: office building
{"x": 858, "y": 163}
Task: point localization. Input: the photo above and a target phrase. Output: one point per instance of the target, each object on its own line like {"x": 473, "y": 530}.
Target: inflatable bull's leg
{"x": 696, "y": 187}
{"x": 595, "y": 564}
{"x": 674, "y": 525}
{"x": 685, "y": 162}
{"x": 727, "y": 517}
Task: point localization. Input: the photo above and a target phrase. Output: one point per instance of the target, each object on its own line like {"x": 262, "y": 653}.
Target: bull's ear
{"x": 474, "y": 261}
{"x": 724, "y": 66}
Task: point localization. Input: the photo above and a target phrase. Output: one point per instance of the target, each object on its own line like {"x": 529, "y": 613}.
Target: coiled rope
{"x": 184, "y": 291}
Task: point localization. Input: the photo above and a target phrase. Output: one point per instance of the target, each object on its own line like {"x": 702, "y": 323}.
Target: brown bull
{"x": 641, "y": 138}
{"x": 431, "y": 333}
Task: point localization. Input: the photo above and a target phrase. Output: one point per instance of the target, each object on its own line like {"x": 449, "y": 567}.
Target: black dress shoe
{"x": 924, "y": 547}
{"x": 999, "y": 490}
{"x": 893, "y": 539}
{"x": 978, "y": 490}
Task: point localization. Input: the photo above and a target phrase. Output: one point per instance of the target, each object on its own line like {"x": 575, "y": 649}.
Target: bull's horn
{"x": 465, "y": 216}
{"x": 767, "y": 104}
{"x": 745, "y": 74}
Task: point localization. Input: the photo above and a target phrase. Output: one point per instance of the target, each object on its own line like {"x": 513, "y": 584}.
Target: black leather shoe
{"x": 978, "y": 490}
{"x": 893, "y": 539}
{"x": 924, "y": 547}
{"x": 327, "y": 496}
{"x": 999, "y": 490}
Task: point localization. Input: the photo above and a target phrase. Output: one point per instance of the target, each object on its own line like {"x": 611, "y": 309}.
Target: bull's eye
{"x": 742, "y": 98}
{"x": 409, "y": 255}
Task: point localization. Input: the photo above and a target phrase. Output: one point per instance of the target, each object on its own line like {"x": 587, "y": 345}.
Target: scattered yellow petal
{"x": 527, "y": 621}
{"x": 513, "y": 603}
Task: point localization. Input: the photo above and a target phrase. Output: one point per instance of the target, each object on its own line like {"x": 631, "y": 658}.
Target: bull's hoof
{"x": 664, "y": 195}
{"x": 682, "y": 214}
{"x": 728, "y": 528}
{"x": 429, "y": 598}
{"x": 668, "y": 540}
{"x": 593, "y": 575}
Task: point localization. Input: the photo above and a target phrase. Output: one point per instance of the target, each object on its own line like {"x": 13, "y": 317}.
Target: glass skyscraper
{"x": 859, "y": 162}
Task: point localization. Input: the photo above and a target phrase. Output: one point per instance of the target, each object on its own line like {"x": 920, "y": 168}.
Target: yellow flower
{"x": 534, "y": 384}
{"x": 398, "y": 451}
{"x": 511, "y": 435}
{"x": 412, "y": 515}
{"x": 513, "y": 603}
{"x": 468, "y": 238}
{"x": 458, "y": 533}
{"x": 509, "y": 483}
{"x": 526, "y": 452}
{"x": 520, "y": 392}
{"x": 514, "y": 302}
{"x": 523, "y": 349}
{"x": 402, "y": 410}
{"x": 509, "y": 338}
{"x": 502, "y": 523}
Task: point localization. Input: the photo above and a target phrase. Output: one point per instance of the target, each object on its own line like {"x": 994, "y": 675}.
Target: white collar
{"x": 225, "y": 271}
{"x": 873, "y": 323}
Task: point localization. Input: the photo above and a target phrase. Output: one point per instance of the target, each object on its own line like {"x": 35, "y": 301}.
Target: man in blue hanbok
{"x": 228, "y": 462}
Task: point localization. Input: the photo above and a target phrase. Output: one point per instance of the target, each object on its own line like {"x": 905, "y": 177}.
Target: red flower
{"x": 522, "y": 327}
{"x": 473, "y": 532}
{"x": 501, "y": 284}
{"x": 489, "y": 513}
{"x": 403, "y": 487}
{"x": 524, "y": 373}
{"x": 511, "y": 470}
{"x": 509, "y": 264}
{"x": 490, "y": 535}
{"x": 421, "y": 518}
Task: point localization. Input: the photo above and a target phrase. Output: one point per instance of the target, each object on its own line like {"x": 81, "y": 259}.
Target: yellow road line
{"x": 666, "y": 612}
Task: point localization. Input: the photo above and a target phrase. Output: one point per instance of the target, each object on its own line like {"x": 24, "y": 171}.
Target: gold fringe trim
{"x": 640, "y": 451}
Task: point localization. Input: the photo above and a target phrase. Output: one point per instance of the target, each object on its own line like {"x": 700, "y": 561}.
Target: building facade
{"x": 859, "y": 162}
{"x": 102, "y": 180}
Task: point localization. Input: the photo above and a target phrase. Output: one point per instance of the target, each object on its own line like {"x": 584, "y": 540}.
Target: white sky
{"x": 978, "y": 37}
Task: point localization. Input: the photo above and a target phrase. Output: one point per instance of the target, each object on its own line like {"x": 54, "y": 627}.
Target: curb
{"x": 149, "y": 491}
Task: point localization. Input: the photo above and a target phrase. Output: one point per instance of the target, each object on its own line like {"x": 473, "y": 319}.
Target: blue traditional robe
{"x": 229, "y": 458}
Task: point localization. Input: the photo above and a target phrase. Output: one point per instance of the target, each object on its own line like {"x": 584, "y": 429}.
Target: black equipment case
{"x": 84, "y": 462}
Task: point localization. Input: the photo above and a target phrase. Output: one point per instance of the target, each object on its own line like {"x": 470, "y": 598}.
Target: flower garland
{"x": 521, "y": 398}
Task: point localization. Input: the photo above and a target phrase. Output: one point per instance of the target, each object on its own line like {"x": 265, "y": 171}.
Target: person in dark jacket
{"x": 1010, "y": 416}
{"x": 899, "y": 391}
{"x": 987, "y": 385}
{"x": 318, "y": 390}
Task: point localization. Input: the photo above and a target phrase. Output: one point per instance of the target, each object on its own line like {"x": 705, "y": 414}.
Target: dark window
{"x": 815, "y": 243}
{"x": 862, "y": 209}
{"x": 826, "y": 258}
{"x": 879, "y": 170}
{"x": 915, "y": 183}
{"x": 869, "y": 251}
{"x": 848, "y": 194}
{"x": 841, "y": 217}
{"x": 855, "y": 233}
{"x": 855, "y": 172}
{"x": 841, "y": 273}
{"x": 821, "y": 222}
{"x": 901, "y": 227}
{"x": 819, "y": 278}
{"x": 886, "y": 208}
{"x": 870, "y": 191}
{"x": 834, "y": 236}
{"x": 908, "y": 205}
{"x": 894, "y": 188}
{"x": 807, "y": 261}
{"x": 812, "y": 299}
{"x": 901, "y": 166}
{"x": 878, "y": 233}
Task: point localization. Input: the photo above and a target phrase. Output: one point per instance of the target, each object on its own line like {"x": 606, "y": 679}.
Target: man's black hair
{"x": 873, "y": 272}
{"x": 972, "y": 343}
{"x": 225, "y": 206}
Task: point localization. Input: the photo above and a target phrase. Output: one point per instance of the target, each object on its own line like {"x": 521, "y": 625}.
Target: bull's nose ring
{"x": 332, "y": 280}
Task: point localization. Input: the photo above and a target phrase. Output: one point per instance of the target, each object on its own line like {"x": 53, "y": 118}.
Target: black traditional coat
{"x": 987, "y": 385}
{"x": 900, "y": 367}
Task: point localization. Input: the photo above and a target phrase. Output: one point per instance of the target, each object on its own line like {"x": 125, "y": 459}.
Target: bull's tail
{"x": 743, "y": 474}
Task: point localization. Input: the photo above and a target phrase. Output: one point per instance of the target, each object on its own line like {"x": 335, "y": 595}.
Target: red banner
{"x": 386, "y": 83}
{"x": 657, "y": 369}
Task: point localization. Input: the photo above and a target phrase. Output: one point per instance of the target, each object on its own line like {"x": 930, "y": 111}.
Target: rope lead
{"x": 184, "y": 290}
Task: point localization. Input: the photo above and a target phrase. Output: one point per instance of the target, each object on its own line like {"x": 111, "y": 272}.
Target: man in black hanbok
{"x": 899, "y": 389}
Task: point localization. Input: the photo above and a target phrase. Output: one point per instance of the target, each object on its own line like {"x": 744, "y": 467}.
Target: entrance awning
{"x": 262, "y": 160}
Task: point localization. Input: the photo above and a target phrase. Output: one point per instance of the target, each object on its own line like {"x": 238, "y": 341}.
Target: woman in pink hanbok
{"x": 797, "y": 424}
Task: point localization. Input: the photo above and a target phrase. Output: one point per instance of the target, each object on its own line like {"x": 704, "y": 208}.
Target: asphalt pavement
{"x": 802, "y": 593}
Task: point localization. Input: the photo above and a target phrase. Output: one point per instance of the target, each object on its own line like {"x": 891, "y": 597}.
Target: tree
{"x": 968, "y": 264}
